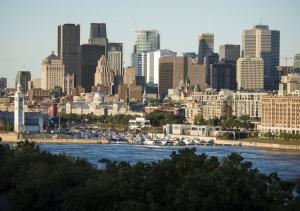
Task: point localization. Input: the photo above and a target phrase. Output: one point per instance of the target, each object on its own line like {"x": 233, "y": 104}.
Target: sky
{"x": 28, "y": 28}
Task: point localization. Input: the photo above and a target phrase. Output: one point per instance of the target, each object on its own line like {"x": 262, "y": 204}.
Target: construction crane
{"x": 134, "y": 24}
{"x": 285, "y": 70}
{"x": 286, "y": 58}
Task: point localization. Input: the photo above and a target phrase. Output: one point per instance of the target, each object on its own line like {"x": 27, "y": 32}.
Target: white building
{"x": 52, "y": 73}
{"x": 153, "y": 63}
{"x": 138, "y": 122}
{"x": 250, "y": 73}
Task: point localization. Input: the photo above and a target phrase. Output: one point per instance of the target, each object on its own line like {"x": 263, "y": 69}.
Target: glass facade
{"x": 147, "y": 41}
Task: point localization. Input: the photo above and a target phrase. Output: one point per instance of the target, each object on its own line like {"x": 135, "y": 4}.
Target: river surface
{"x": 285, "y": 162}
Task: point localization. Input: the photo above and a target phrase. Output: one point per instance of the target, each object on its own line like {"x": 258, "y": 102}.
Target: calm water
{"x": 285, "y": 162}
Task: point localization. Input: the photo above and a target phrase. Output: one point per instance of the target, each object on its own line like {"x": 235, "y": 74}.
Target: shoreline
{"x": 216, "y": 143}
{"x": 39, "y": 139}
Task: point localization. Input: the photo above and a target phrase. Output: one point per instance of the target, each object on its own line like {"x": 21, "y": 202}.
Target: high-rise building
{"x": 297, "y": 63}
{"x": 52, "y": 72}
{"x": 211, "y": 58}
{"x": 153, "y": 64}
{"x": 229, "y": 53}
{"x": 23, "y": 77}
{"x": 87, "y": 61}
{"x": 104, "y": 75}
{"x": 147, "y": 40}
{"x": 68, "y": 84}
{"x": 115, "y": 57}
{"x": 205, "y": 46}
{"x": 223, "y": 76}
{"x": 98, "y": 36}
{"x": 193, "y": 55}
{"x": 263, "y": 43}
{"x": 176, "y": 70}
{"x": 140, "y": 63}
{"x": 3, "y": 83}
{"x": 250, "y": 73}
{"x": 68, "y": 41}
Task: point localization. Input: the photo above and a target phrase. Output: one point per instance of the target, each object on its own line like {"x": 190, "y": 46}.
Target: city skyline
{"x": 29, "y": 30}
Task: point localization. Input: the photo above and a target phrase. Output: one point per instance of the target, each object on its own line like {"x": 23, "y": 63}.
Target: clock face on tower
{"x": 20, "y": 99}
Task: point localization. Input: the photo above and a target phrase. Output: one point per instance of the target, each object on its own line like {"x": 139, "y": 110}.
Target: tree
{"x": 268, "y": 135}
{"x": 227, "y": 135}
{"x": 198, "y": 120}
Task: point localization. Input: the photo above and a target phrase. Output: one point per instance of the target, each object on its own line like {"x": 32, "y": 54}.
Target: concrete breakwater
{"x": 50, "y": 138}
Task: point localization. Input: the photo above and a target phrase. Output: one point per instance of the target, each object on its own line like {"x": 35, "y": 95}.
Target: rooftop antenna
{"x": 208, "y": 21}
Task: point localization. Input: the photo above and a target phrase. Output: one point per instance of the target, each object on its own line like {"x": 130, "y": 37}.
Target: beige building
{"x": 104, "y": 74}
{"x": 52, "y": 72}
{"x": 250, "y": 73}
{"x": 35, "y": 83}
{"x": 289, "y": 84}
{"x": 68, "y": 83}
{"x": 280, "y": 114}
{"x": 129, "y": 75}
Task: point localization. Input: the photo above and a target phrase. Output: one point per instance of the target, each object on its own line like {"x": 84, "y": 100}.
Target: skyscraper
{"x": 229, "y": 53}
{"x": 297, "y": 63}
{"x": 52, "y": 72}
{"x": 115, "y": 57}
{"x": 205, "y": 46}
{"x": 3, "y": 84}
{"x": 250, "y": 73}
{"x": 209, "y": 59}
{"x": 98, "y": 36}
{"x": 68, "y": 41}
{"x": 22, "y": 78}
{"x": 263, "y": 43}
{"x": 147, "y": 40}
{"x": 87, "y": 61}
{"x": 104, "y": 75}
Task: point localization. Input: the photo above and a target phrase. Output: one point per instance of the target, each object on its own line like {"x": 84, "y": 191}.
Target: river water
{"x": 285, "y": 162}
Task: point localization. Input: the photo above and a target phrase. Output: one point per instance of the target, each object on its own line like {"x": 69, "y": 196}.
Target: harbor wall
{"x": 48, "y": 138}
{"x": 11, "y": 137}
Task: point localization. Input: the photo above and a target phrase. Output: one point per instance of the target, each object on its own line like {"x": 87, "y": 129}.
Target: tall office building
{"x": 263, "y": 43}
{"x": 104, "y": 75}
{"x": 115, "y": 57}
{"x": 153, "y": 64}
{"x": 211, "y": 58}
{"x": 223, "y": 76}
{"x": 67, "y": 43}
{"x": 297, "y": 63}
{"x": 23, "y": 77}
{"x": 52, "y": 72}
{"x": 229, "y": 53}
{"x": 3, "y": 83}
{"x": 250, "y": 73}
{"x": 176, "y": 70}
{"x": 140, "y": 63}
{"x": 205, "y": 46}
{"x": 87, "y": 61}
{"x": 147, "y": 40}
{"x": 98, "y": 36}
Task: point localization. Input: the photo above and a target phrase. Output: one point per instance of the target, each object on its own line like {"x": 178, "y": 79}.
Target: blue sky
{"x": 29, "y": 27}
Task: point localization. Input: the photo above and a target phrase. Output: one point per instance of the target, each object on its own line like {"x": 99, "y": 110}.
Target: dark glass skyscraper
{"x": 205, "y": 46}
{"x": 87, "y": 61}
{"x": 67, "y": 43}
{"x": 98, "y": 36}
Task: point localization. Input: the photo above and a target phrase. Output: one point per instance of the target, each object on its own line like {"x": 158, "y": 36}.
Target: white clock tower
{"x": 19, "y": 110}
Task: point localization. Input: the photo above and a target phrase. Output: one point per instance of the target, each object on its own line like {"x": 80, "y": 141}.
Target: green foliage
{"x": 5, "y": 126}
{"x": 255, "y": 134}
{"x": 198, "y": 120}
{"x": 227, "y": 135}
{"x": 268, "y": 135}
{"x": 34, "y": 179}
